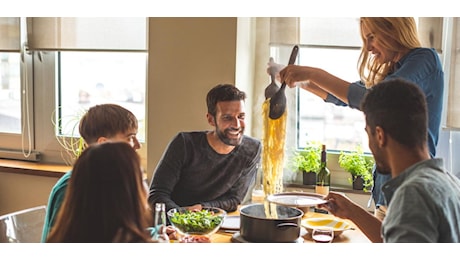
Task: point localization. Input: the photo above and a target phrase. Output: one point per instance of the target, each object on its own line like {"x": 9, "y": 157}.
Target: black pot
{"x": 256, "y": 226}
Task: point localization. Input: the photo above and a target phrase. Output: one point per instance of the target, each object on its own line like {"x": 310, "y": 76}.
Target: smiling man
{"x": 209, "y": 168}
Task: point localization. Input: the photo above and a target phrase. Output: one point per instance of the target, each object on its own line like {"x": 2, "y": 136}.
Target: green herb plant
{"x": 74, "y": 144}
{"x": 196, "y": 222}
{"x": 358, "y": 165}
{"x": 307, "y": 159}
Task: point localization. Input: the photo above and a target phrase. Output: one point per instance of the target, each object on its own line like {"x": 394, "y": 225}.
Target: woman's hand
{"x": 294, "y": 74}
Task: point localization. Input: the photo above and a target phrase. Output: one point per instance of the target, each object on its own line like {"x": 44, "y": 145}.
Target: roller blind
{"x": 10, "y": 34}
{"x": 87, "y": 33}
{"x": 284, "y": 30}
{"x": 315, "y": 31}
{"x": 453, "y": 101}
{"x": 430, "y": 32}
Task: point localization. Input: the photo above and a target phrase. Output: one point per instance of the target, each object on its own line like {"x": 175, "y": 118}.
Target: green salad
{"x": 198, "y": 222}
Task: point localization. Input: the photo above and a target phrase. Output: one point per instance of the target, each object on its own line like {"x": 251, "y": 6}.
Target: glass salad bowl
{"x": 203, "y": 222}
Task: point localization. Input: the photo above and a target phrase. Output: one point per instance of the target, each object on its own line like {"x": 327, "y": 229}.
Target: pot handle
{"x": 286, "y": 225}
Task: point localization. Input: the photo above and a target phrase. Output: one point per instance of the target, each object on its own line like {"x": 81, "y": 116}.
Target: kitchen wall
{"x": 20, "y": 191}
{"x": 187, "y": 57}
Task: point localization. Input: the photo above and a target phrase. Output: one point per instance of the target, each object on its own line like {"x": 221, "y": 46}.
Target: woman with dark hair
{"x": 106, "y": 200}
{"x": 101, "y": 123}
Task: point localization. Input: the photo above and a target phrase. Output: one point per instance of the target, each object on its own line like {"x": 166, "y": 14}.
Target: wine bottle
{"x": 323, "y": 177}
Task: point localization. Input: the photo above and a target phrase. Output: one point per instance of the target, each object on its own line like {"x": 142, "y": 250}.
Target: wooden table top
{"x": 348, "y": 236}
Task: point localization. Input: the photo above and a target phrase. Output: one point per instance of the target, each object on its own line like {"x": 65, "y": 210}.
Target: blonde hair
{"x": 396, "y": 34}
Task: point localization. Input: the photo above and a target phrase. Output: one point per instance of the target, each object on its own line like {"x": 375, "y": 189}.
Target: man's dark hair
{"x": 399, "y": 107}
{"x": 223, "y": 92}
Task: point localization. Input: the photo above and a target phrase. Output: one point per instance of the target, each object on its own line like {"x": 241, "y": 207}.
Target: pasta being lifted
{"x": 274, "y": 134}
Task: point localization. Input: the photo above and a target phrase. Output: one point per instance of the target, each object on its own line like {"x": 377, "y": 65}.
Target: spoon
{"x": 271, "y": 89}
{"x": 278, "y": 100}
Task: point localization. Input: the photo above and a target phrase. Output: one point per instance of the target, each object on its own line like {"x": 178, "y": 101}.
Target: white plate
{"x": 231, "y": 223}
{"x": 296, "y": 199}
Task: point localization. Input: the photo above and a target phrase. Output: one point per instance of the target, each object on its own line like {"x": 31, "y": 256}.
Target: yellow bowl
{"x": 338, "y": 225}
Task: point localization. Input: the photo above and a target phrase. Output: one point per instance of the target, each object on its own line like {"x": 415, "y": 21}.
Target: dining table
{"x": 354, "y": 235}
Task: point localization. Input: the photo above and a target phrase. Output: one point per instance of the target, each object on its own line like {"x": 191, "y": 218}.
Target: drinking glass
{"x": 323, "y": 235}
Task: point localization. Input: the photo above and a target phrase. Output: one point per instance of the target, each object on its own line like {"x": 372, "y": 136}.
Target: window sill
{"x": 32, "y": 168}
{"x": 293, "y": 186}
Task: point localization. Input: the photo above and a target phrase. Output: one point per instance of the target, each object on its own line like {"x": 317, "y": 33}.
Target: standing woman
{"x": 106, "y": 200}
{"x": 391, "y": 49}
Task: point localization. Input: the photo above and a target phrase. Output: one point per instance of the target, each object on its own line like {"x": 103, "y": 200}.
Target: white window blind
{"x": 320, "y": 31}
{"x": 284, "y": 30}
{"x": 87, "y": 33}
{"x": 453, "y": 104}
{"x": 9, "y": 31}
{"x": 430, "y": 32}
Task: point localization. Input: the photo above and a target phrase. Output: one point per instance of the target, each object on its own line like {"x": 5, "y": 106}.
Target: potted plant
{"x": 308, "y": 162}
{"x": 73, "y": 146}
{"x": 359, "y": 166}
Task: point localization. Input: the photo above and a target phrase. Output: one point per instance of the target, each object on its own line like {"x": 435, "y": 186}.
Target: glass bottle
{"x": 160, "y": 223}
{"x": 258, "y": 193}
{"x": 323, "y": 177}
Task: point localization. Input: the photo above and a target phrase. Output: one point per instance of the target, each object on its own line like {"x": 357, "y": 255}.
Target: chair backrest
{"x": 24, "y": 226}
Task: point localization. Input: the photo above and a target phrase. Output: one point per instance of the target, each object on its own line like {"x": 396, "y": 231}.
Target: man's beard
{"x": 383, "y": 168}
{"x": 229, "y": 141}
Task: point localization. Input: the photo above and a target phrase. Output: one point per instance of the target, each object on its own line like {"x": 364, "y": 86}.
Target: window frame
{"x": 27, "y": 148}
{"x": 39, "y": 91}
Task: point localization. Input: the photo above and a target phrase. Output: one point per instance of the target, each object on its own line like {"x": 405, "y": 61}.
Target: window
{"x": 64, "y": 66}
{"x": 334, "y": 45}
{"x": 340, "y": 128}
{"x": 109, "y": 77}
{"x": 10, "y": 81}
{"x": 10, "y": 93}
{"x": 15, "y": 130}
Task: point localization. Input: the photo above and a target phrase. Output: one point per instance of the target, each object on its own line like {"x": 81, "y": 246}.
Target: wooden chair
{"x": 24, "y": 226}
